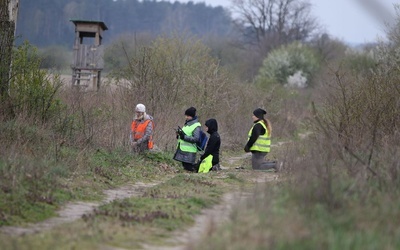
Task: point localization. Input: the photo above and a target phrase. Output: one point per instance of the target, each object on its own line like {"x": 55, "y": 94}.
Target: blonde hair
{"x": 268, "y": 125}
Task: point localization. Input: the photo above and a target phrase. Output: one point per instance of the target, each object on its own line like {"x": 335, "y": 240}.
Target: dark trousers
{"x": 258, "y": 161}
{"x": 190, "y": 167}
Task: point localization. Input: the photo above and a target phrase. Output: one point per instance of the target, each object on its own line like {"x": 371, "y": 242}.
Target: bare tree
{"x": 8, "y": 23}
{"x": 270, "y": 23}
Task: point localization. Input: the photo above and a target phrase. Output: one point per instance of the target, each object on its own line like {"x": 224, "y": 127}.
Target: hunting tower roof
{"x": 100, "y": 23}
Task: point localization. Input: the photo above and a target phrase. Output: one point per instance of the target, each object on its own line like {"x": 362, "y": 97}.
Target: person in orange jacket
{"x": 142, "y": 128}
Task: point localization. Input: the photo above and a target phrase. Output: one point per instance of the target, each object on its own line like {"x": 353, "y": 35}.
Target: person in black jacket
{"x": 213, "y": 144}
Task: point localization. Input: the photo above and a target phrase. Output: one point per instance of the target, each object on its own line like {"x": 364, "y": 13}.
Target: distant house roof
{"x": 102, "y": 24}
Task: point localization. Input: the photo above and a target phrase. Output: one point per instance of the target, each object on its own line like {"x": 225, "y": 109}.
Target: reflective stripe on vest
{"x": 263, "y": 142}
{"x": 188, "y": 146}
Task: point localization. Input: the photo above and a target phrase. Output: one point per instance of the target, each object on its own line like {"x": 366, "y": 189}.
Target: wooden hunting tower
{"x": 88, "y": 54}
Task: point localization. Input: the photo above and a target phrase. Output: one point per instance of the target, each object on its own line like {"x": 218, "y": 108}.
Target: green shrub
{"x": 292, "y": 65}
{"x": 360, "y": 62}
{"x": 32, "y": 90}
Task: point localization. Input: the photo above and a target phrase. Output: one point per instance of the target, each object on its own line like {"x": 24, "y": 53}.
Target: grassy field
{"x": 152, "y": 217}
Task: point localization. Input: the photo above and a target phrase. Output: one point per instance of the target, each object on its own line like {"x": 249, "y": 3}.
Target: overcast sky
{"x": 344, "y": 19}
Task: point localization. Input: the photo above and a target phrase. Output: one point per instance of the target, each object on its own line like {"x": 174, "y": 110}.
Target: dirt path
{"x": 211, "y": 218}
{"x": 232, "y": 160}
{"x": 207, "y": 220}
{"x": 74, "y": 211}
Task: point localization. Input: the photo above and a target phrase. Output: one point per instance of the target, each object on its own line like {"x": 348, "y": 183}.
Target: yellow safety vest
{"x": 206, "y": 164}
{"x": 263, "y": 142}
{"x": 188, "y": 146}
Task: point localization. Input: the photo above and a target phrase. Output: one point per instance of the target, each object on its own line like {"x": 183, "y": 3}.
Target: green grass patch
{"x": 32, "y": 189}
{"x": 151, "y": 217}
{"x": 168, "y": 205}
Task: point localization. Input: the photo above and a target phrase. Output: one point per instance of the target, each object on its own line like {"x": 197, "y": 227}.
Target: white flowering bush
{"x": 297, "y": 80}
{"x": 290, "y": 65}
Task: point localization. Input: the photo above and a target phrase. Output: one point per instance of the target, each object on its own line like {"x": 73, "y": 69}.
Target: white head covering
{"x": 140, "y": 108}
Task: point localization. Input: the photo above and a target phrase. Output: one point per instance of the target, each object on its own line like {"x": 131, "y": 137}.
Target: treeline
{"x": 47, "y": 22}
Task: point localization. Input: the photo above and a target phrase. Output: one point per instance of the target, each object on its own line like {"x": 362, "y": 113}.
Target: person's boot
{"x": 216, "y": 167}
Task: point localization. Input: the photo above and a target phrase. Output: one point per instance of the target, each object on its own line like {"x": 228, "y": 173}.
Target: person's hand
{"x": 246, "y": 149}
{"x": 181, "y": 134}
{"x": 134, "y": 144}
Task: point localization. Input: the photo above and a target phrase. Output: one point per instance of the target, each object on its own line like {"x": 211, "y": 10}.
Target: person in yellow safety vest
{"x": 142, "y": 128}
{"x": 259, "y": 140}
{"x": 186, "y": 150}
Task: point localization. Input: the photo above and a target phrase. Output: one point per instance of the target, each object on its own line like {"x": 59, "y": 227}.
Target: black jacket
{"x": 213, "y": 143}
